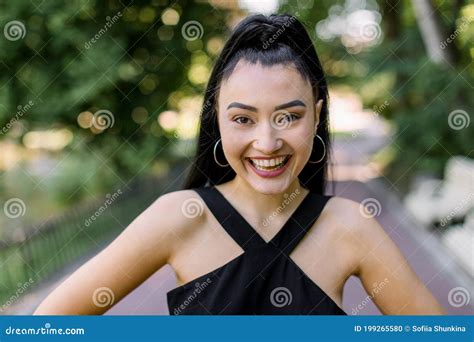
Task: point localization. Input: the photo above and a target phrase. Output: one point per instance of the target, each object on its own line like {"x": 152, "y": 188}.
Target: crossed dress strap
{"x": 300, "y": 222}
{"x": 230, "y": 219}
{"x": 287, "y": 238}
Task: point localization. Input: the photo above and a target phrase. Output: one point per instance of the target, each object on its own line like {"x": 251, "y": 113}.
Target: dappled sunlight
{"x": 53, "y": 140}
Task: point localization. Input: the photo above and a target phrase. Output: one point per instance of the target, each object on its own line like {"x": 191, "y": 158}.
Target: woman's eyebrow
{"x": 242, "y": 106}
{"x": 293, "y": 103}
{"x": 253, "y": 109}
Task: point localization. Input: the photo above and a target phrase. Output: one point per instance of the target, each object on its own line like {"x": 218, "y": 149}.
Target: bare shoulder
{"x": 356, "y": 226}
{"x": 355, "y": 217}
{"x": 183, "y": 210}
{"x": 348, "y": 215}
{"x": 183, "y": 206}
{"x": 378, "y": 262}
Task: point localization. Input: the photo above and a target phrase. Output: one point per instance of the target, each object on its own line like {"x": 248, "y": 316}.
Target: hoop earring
{"x": 215, "y": 157}
{"x": 324, "y": 153}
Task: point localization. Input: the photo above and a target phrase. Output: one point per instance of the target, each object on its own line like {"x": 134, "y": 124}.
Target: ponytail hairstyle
{"x": 269, "y": 40}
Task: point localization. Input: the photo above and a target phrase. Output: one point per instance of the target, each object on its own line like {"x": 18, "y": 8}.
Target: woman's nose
{"x": 267, "y": 140}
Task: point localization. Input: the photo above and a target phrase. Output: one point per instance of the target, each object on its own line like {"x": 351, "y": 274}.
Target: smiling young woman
{"x": 252, "y": 232}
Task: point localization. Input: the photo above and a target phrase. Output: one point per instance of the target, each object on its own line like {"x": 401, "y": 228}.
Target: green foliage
{"x": 416, "y": 94}
{"x": 424, "y": 94}
{"x": 83, "y": 55}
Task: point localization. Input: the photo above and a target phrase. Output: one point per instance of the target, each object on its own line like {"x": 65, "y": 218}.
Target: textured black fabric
{"x": 263, "y": 280}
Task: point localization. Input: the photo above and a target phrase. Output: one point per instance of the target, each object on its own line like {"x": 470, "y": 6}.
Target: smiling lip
{"x": 263, "y": 158}
{"x": 269, "y": 173}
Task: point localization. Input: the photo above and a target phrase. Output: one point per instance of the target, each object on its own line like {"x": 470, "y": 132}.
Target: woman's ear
{"x": 317, "y": 111}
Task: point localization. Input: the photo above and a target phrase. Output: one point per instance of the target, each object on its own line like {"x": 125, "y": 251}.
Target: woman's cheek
{"x": 301, "y": 140}
{"x": 234, "y": 145}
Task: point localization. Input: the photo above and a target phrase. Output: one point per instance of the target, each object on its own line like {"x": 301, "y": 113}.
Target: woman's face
{"x": 267, "y": 118}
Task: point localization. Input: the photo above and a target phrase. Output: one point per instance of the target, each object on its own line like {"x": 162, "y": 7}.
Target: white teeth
{"x": 266, "y": 164}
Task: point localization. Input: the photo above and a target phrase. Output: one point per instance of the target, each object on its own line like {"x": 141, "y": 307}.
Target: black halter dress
{"x": 264, "y": 280}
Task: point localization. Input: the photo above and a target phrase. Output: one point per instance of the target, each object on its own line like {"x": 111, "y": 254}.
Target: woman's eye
{"x": 288, "y": 117}
{"x": 241, "y": 118}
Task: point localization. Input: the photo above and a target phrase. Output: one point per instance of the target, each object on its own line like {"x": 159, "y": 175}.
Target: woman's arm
{"x": 139, "y": 251}
{"x": 386, "y": 274}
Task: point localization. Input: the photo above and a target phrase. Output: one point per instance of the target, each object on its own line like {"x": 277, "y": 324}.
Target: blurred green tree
{"x": 426, "y": 98}
{"x": 123, "y": 61}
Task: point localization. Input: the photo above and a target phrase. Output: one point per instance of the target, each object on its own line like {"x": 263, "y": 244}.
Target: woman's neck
{"x": 264, "y": 210}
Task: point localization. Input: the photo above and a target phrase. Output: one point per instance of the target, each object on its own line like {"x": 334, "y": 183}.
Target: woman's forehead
{"x": 249, "y": 81}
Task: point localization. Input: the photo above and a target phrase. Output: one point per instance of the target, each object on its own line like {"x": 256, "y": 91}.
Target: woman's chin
{"x": 269, "y": 186}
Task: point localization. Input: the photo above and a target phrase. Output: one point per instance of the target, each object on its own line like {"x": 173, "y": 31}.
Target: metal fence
{"x": 62, "y": 240}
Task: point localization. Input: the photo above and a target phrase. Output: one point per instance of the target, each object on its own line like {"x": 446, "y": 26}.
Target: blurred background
{"x": 99, "y": 111}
